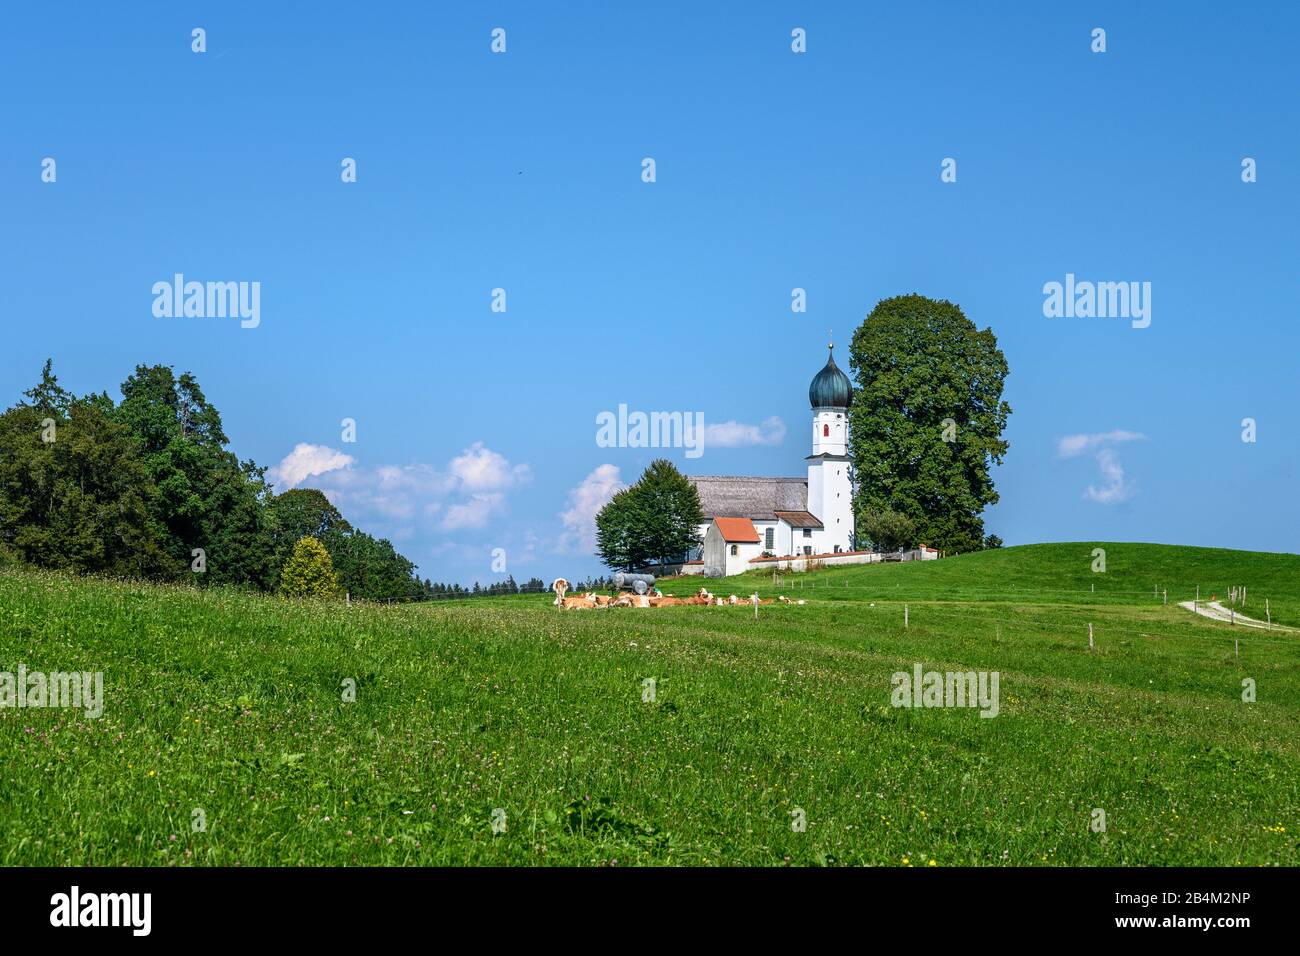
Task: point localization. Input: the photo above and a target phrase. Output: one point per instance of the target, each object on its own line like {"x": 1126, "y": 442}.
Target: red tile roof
{"x": 739, "y": 530}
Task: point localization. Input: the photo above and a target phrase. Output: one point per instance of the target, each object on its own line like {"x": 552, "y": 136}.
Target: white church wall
{"x": 801, "y": 562}
{"x": 832, "y": 502}
{"x": 830, "y": 431}
{"x": 823, "y": 559}
{"x": 816, "y": 489}
{"x": 738, "y": 562}
{"x": 801, "y": 538}
{"x": 838, "y": 506}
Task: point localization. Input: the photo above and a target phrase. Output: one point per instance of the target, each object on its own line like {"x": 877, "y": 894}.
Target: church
{"x": 750, "y": 521}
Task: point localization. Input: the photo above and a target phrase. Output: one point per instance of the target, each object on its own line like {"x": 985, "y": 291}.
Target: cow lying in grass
{"x": 591, "y": 600}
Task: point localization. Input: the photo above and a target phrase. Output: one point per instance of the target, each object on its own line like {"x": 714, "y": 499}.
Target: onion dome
{"x": 830, "y": 387}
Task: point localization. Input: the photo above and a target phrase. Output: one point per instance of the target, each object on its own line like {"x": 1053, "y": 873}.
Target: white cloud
{"x": 585, "y": 500}
{"x": 740, "y": 435}
{"x": 307, "y": 461}
{"x": 1116, "y": 489}
{"x": 1071, "y": 446}
{"x": 467, "y": 494}
{"x": 482, "y": 469}
{"x": 474, "y": 513}
{"x": 393, "y": 492}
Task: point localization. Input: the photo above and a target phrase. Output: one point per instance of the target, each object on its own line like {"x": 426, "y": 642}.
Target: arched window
{"x": 826, "y": 431}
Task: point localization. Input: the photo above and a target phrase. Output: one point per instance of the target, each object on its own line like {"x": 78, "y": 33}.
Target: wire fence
{"x": 1158, "y": 593}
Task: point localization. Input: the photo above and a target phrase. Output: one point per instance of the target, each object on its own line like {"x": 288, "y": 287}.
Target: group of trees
{"x": 367, "y": 567}
{"x": 437, "y": 592}
{"x": 146, "y": 487}
{"x": 926, "y": 427}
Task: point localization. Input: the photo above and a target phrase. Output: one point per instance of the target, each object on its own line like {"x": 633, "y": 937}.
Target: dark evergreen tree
{"x": 203, "y": 496}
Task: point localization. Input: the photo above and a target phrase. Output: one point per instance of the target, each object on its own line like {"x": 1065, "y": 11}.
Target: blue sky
{"x": 775, "y": 170}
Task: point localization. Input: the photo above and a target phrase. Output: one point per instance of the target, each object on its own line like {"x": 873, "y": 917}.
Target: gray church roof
{"x": 750, "y": 497}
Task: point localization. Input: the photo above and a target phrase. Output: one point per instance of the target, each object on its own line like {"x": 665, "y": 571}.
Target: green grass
{"x": 232, "y": 704}
{"x": 1056, "y": 572}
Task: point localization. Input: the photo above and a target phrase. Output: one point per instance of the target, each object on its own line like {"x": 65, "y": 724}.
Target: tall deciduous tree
{"x": 655, "y": 520}
{"x": 927, "y": 419}
{"x": 300, "y": 512}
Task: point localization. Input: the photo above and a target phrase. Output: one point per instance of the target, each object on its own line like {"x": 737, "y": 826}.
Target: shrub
{"x": 309, "y": 572}
{"x": 890, "y": 531}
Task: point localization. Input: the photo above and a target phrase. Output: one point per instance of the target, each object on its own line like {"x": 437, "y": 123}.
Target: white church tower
{"x": 830, "y": 489}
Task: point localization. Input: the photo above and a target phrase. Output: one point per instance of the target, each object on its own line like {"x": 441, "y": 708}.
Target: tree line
{"x": 146, "y": 487}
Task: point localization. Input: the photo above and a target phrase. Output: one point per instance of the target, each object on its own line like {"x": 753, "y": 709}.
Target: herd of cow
{"x": 654, "y": 598}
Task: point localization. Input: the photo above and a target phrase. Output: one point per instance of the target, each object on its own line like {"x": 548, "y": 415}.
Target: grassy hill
{"x": 1135, "y": 574}
{"x": 231, "y": 704}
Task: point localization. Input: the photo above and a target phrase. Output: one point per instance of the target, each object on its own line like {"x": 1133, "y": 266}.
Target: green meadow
{"x": 505, "y": 732}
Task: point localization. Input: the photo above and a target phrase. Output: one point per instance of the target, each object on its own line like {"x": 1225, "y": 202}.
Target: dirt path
{"x": 1217, "y": 612}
